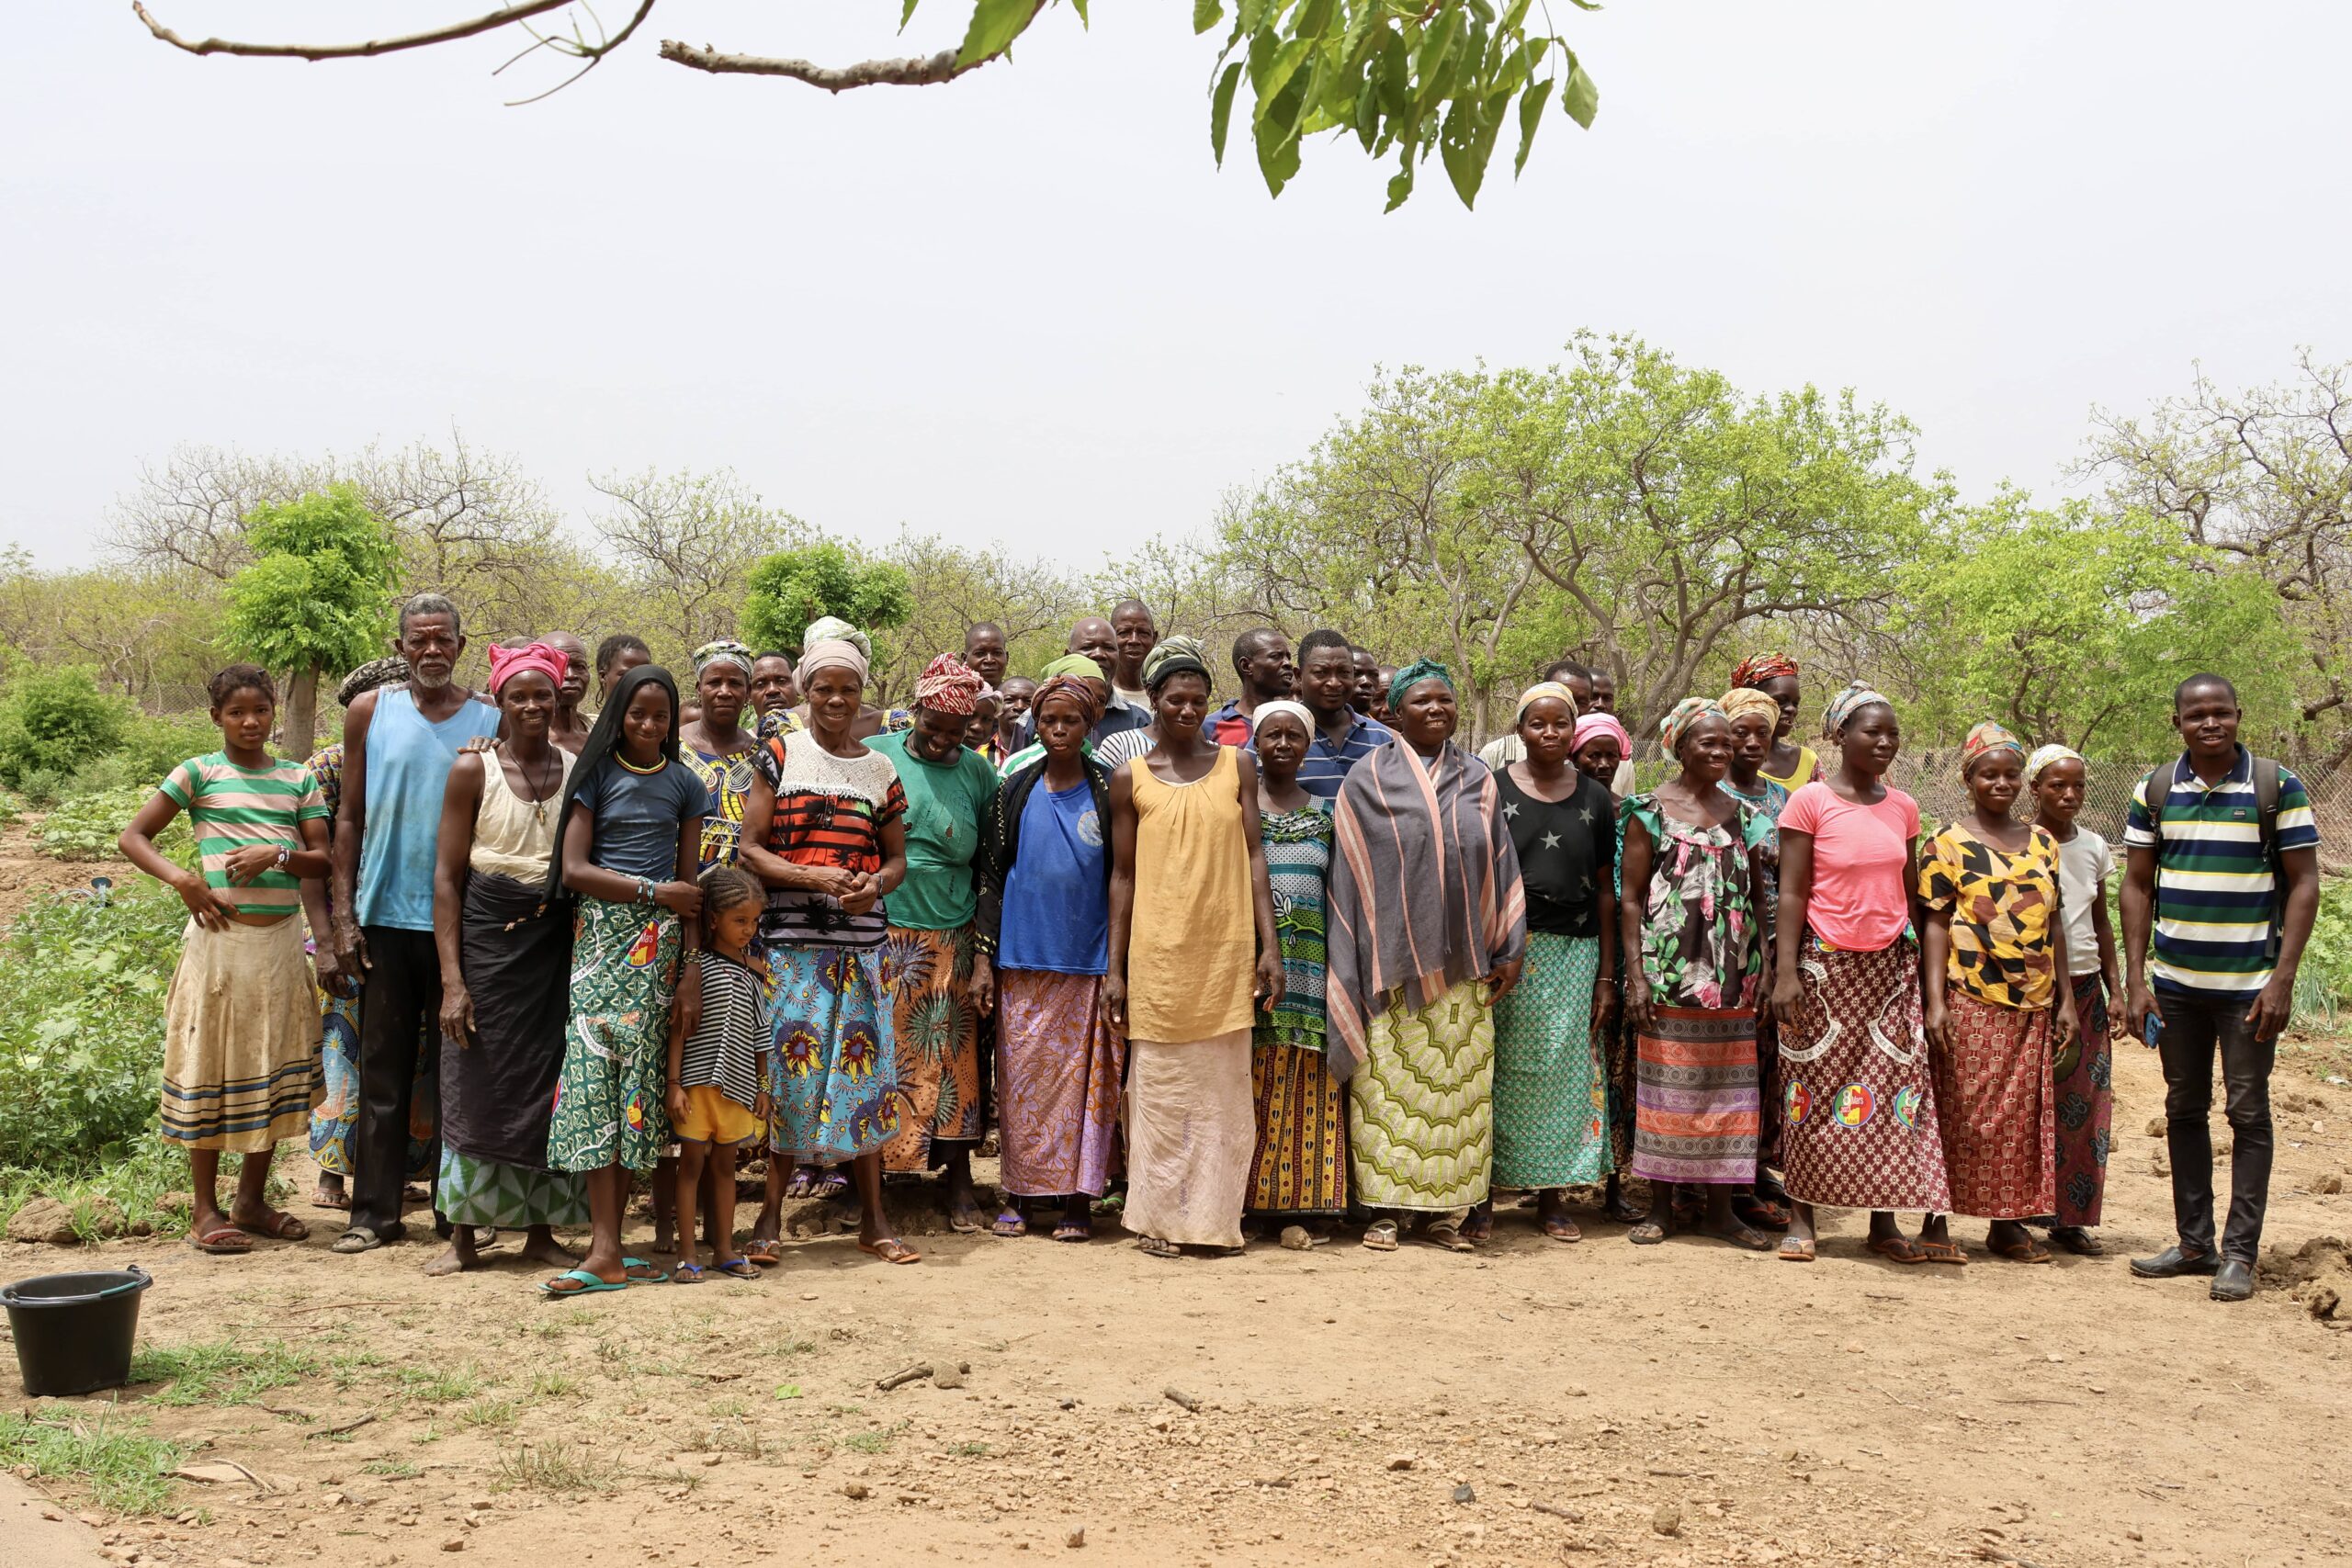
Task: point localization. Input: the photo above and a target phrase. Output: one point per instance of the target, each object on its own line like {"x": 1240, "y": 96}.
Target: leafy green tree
{"x": 2261, "y": 478}
{"x": 53, "y": 720}
{"x": 316, "y": 599}
{"x": 1406, "y": 77}
{"x": 2074, "y": 625}
{"x": 791, "y": 588}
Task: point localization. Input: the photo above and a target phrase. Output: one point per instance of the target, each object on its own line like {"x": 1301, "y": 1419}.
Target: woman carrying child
{"x": 505, "y": 975}
{"x": 716, "y": 1101}
{"x": 241, "y": 1023}
{"x": 632, "y": 835}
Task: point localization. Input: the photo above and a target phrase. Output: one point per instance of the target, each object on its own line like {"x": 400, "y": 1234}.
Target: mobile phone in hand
{"x": 2153, "y": 1030}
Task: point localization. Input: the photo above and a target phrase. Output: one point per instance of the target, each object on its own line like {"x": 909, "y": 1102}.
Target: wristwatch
{"x": 285, "y": 853}
{"x": 645, "y": 890}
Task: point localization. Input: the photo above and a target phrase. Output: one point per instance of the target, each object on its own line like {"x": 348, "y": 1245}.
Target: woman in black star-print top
{"x": 1551, "y": 1102}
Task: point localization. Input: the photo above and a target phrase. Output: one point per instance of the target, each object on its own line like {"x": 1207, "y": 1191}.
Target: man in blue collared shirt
{"x": 1342, "y": 737}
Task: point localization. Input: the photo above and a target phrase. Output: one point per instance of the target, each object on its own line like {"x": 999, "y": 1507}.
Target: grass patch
{"x": 111, "y": 1457}
{"x": 971, "y": 1451}
{"x": 430, "y": 1385}
{"x": 132, "y": 1184}
{"x": 870, "y": 1442}
{"x": 554, "y": 1386}
{"x": 556, "y": 1467}
{"x": 498, "y": 1413}
{"x": 393, "y": 1469}
{"x": 217, "y": 1371}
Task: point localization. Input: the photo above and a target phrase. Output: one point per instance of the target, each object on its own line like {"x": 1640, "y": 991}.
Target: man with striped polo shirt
{"x": 2224, "y": 862}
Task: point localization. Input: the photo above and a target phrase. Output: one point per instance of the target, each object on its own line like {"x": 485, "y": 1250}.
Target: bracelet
{"x": 645, "y": 890}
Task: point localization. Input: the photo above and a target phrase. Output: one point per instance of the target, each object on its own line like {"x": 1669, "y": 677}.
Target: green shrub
{"x": 2324, "y": 983}
{"x": 53, "y": 720}
{"x": 155, "y": 744}
{"x": 82, "y": 986}
{"x": 86, "y": 827}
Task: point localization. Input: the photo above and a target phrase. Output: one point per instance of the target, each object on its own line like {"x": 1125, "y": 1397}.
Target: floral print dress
{"x": 1701, "y": 942}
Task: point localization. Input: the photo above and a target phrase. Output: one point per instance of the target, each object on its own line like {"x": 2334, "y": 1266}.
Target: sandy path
{"x": 1851, "y": 1412}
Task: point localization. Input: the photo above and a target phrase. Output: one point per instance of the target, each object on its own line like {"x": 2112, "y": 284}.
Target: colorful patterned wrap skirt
{"x": 1423, "y": 1134}
{"x": 610, "y": 1101}
{"x": 337, "y": 1115}
{"x": 510, "y": 1197}
{"x": 1301, "y": 1164}
{"x": 1994, "y": 1107}
{"x": 1859, "y": 1127}
{"x": 1058, "y": 1083}
{"x": 1695, "y": 1110}
{"x": 2083, "y": 1078}
{"x": 833, "y": 1074}
{"x": 937, "y": 1035}
{"x": 1551, "y": 1082}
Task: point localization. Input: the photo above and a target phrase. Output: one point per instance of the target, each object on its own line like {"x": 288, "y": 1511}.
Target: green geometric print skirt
{"x": 609, "y": 1099}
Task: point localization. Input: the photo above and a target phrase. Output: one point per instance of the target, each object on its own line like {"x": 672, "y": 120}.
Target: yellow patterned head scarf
{"x": 1747, "y": 699}
{"x": 1677, "y": 723}
{"x": 1984, "y": 739}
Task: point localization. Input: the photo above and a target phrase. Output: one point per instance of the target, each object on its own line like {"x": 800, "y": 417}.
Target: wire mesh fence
{"x": 1930, "y": 776}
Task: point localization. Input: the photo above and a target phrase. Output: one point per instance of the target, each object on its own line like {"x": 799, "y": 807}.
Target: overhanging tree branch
{"x": 504, "y": 17}
{"x": 914, "y": 71}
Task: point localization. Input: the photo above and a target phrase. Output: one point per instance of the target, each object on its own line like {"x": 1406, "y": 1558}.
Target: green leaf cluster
{"x": 1404, "y": 76}
{"x": 786, "y": 591}
{"x": 2072, "y": 624}
{"x": 318, "y": 594}
{"x": 53, "y": 720}
{"x": 81, "y": 987}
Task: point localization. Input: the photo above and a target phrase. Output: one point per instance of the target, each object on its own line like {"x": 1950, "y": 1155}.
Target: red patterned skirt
{"x": 1996, "y": 1110}
{"x": 2083, "y": 1077}
{"x": 1857, "y": 1101}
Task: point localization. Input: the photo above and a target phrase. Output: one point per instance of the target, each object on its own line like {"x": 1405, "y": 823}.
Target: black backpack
{"x": 2265, "y": 811}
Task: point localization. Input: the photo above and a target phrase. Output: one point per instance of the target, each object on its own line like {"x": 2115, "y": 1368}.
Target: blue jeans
{"x": 2195, "y": 1028}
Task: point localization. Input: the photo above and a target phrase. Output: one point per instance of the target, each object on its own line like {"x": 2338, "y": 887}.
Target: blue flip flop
{"x": 583, "y": 1284}
{"x": 738, "y": 1269}
{"x": 687, "y": 1274}
{"x": 640, "y": 1272}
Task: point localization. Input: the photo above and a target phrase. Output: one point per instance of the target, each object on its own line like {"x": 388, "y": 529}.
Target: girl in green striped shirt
{"x": 240, "y": 1025}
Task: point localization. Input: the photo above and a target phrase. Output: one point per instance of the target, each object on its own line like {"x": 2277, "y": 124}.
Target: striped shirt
{"x": 229, "y": 806}
{"x": 723, "y": 1050}
{"x": 1325, "y": 767}
{"x": 2216, "y": 894}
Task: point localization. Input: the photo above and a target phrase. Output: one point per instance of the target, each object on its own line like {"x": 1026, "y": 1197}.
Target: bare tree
{"x": 189, "y": 509}
{"x": 686, "y": 540}
{"x": 470, "y": 525}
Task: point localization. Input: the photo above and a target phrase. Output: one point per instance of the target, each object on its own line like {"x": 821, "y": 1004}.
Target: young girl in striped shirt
{"x": 240, "y": 1025}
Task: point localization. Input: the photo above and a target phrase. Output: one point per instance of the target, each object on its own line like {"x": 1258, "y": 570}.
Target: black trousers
{"x": 403, "y": 993}
{"x": 2195, "y": 1029}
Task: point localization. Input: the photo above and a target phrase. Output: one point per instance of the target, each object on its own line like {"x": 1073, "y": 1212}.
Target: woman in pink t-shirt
{"x": 1858, "y": 1102}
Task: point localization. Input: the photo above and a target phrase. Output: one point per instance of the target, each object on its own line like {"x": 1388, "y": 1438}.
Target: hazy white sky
{"x": 1024, "y": 305}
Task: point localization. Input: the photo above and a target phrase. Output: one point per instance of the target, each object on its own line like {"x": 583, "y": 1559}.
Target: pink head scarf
{"x": 1599, "y": 723}
{"x": 505, "y": 662}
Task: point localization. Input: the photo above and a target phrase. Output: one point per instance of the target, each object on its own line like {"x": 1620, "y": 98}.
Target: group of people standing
{"x": 1295, "y": 961}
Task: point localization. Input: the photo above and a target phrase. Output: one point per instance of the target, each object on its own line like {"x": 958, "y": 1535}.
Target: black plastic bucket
{"x": 74, "y": 1331}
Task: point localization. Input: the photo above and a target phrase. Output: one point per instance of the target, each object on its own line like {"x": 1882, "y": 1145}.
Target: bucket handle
{"x": 139, "y": 1281}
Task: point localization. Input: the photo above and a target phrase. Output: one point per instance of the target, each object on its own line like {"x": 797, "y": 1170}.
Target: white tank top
{"x": 514, "y": 837}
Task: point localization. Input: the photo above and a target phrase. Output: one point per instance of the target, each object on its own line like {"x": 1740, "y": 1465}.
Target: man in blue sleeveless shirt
{"x": 397, "y": 746}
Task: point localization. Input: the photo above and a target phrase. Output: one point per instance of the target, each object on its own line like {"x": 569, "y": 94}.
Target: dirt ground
{"x": 1534, "y": 1403}
{"x": 26, "y": 873}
